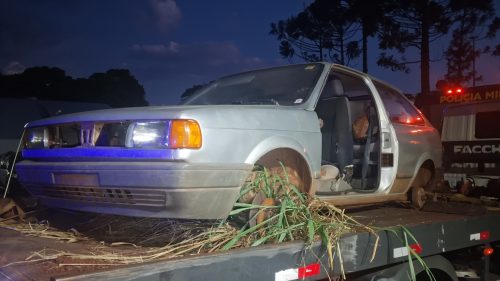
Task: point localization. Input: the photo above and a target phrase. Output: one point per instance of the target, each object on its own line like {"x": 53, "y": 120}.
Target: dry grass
{"x": 43, "y": 230}
{"x": 204, "y": 240}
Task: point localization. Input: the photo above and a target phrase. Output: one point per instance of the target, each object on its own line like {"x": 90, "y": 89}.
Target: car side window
{"x": 399, "y": 109}
{"x": 354, "y": 87}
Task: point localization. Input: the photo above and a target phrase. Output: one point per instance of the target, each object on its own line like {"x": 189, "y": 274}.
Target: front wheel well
{"x": 295, "y": 163}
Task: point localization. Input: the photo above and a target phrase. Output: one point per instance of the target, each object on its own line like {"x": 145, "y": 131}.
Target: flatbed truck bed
{"x": 436, "y": 233}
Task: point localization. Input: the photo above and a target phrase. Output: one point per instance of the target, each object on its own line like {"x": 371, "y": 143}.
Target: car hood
{"x": 209, "y": 116}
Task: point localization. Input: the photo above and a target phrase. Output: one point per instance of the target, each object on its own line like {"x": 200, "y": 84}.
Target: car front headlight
{"x": 177, "y": 133}
{"x": 36, "y": 138}
{"x": 149, "y": 134}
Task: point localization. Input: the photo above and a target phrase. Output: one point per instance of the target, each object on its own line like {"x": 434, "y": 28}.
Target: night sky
{"x": 170, "y": 45}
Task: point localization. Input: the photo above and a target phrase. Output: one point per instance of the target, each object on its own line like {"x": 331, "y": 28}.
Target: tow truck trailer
{"x": 450, "y": 245}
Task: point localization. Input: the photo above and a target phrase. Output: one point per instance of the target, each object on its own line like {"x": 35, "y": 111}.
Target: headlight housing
{"x": 36, "y": 138}
{"x": 148, "y": 134}
{"x": 177, "y": 133}
{"x": 54, "y": 136}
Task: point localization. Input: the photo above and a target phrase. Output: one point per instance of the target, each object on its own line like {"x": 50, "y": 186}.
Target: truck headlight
{"x": 36, "y": 138}
{"x": 178, "y": 133}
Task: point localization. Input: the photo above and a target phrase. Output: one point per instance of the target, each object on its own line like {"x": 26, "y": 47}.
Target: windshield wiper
{"x": 273, "y": 101}
{"x": 256, "y": 101}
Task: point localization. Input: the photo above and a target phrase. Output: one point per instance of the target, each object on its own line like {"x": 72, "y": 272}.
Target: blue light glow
{"x": 109, "y": 153}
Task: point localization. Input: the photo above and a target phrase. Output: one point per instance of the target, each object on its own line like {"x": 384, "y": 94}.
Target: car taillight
{"x": 409, "y": 120}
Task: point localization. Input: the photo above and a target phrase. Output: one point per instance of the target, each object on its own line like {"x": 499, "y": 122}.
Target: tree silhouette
{"x": 492, "y": 30}
{"x": 190, "y": 91}
{"x": 329, "y": 30}
{"x": 116, "y": 87}
{"x": 414, "y": 24}
{"x": 370, "y": 15}
{"x": 462, "y": 51}
{"x": 323, "y": 31}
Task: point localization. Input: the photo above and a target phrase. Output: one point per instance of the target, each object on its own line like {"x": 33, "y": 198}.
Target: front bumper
{"x": 144, "y": 189}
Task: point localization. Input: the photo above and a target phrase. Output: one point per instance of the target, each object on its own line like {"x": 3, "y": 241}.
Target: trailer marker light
{"x": 298, "y": 273}
{"x": 403, "y": 251}
{"x": 309, "y": 270}
{"x": 483, "y": 235}
{"x": 488, "y": 251}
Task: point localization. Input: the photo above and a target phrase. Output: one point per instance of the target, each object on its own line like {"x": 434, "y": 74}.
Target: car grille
{"x": 136, "y": 197}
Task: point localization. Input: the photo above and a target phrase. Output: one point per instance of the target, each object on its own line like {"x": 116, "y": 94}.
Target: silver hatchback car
{"x": 343, "y": 136}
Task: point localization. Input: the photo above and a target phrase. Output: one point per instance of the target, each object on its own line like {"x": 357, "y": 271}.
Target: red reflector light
{"x": 417, "y": 248}
{"x": 309, "y": 270}
{"x": 484, "y": 235}
{"x": 488, "y": 251}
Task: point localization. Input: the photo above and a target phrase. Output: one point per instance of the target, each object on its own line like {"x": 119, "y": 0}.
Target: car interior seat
{"x": 366, "y": 151}
{"x": 337, "y": 141}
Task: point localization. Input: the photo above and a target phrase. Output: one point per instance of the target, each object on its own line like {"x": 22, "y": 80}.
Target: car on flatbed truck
{"x": 342, "y": 135}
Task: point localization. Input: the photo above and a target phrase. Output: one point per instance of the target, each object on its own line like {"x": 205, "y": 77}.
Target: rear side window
{"x": 487, "y": 125}
{"x": 399, "y": 109}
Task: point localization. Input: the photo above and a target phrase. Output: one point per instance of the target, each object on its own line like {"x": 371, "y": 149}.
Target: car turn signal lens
{"x": 184, "y": 134}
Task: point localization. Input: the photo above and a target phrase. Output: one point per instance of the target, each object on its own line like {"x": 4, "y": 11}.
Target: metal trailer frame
{"x": 295, "y": 261}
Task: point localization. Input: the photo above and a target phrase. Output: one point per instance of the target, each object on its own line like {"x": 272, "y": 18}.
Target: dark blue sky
{"x": 169, "y": 45}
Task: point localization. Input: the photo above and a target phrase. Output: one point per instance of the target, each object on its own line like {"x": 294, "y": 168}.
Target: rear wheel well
{"x": 438, "y": 274}
{"x": 297, "y": 167}
{"x": 425, "y": 175}
{"x": 422, "y": 183}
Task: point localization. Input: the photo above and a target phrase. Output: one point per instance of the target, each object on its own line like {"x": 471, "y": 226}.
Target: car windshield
{"x": 290, "y": 85}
